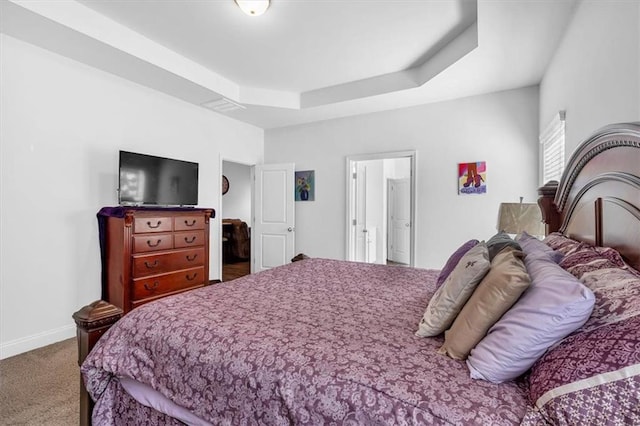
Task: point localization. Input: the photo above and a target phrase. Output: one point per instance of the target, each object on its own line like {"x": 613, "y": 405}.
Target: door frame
{"x": 350, "y": 193}
{"x": 221, "y": 204}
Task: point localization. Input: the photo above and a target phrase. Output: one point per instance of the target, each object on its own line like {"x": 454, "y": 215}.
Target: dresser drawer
{"x": 153, "y": 253}
{"x": 188, "y": 239}
{"x": 152, "y": 224}
{"x": 137, "y": 303}
{"x": 187, "y": 223}
{"x": 152, "y": 242}
{"x": 154, "y": 264}
{"x": 160, "y": 284}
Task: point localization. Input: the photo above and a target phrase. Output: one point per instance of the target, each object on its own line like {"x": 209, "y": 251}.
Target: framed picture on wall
{"x": 305, "y": 186}
{"x": 472, "y": 178}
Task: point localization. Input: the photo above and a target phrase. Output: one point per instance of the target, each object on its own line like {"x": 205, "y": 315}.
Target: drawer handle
{"x": 153, "y": 245}
{"x": 191, "y": 259}
{"x": 191, "y": 278}
{"x": 152, "y": 287}
{"x": 157, "y": 225}
{"x": 190, "y": 224}
{"x": 189, "y": 241}
{"x": 151, "y": 265}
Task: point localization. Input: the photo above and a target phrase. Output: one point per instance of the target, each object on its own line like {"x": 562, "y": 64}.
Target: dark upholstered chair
{"x": 237, "y": 246}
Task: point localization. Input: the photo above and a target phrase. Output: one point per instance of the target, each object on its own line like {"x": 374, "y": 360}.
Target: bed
{"x": 322, "y": 341}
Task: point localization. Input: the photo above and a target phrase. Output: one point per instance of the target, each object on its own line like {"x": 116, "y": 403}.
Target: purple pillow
{"x": 587, "y": 258}
{"x": 555, "y": 305}
{"x": 560, "y": 243}
{"x": 617, "y": 293}
{"x": 590, "y": 377}
{"x": 531, "y": 245}
{"x": 453, "y": 261}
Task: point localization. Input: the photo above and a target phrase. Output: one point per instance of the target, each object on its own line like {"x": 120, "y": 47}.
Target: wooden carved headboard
{"x": 598, "y": 198}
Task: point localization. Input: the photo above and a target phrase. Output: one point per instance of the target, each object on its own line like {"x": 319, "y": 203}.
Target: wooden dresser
{"x": 152, "y": 253}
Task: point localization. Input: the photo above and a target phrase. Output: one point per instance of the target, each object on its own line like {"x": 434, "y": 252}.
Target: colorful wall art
{"x": 305, "y": 185}
{"x": 472, "y": 178}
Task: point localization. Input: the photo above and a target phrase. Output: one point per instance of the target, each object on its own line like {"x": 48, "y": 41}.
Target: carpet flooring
{"x": 41, "y": 387}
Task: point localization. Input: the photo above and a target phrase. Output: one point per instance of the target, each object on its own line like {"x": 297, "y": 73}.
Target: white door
{"x": 273, "y": 233}
{"x": 360, "y": 223}
{"x": 399, "y": 242}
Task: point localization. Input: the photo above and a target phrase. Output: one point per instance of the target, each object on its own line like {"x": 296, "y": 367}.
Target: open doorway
{"x": 235, "y": 214}
{"x": 381, "y": 198}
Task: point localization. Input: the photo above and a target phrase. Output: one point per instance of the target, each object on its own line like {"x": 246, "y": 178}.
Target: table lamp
{"x": 515, "y": 218}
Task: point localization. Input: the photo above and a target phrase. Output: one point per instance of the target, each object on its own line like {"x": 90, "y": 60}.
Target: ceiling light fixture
{"x": 253, "y": 7}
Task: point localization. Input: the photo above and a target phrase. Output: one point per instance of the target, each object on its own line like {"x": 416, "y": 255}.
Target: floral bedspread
{"x": 314, "y": 342}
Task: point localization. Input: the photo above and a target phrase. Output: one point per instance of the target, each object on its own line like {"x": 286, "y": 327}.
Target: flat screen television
{"x": 150, "y": 180}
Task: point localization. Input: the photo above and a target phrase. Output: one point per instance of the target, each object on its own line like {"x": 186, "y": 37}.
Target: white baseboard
{"x": 35, "y": 341}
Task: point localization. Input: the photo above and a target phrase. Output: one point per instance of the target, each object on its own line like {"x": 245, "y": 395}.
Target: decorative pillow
{"x": 499, "y": 242}
{"x": 447, "y": 301}
{"x": 495, "y": 294}
{"x": 590, "y": 378}
{"x": 531, "y": 245}
{"x": 586, "y": 258}
{"x": 560, "y": 243}
{"x": 617, "y": 296}
{"x": 453, "y": 260}
{"x": 613, "y": 255}
{"x": 555, "y": 305}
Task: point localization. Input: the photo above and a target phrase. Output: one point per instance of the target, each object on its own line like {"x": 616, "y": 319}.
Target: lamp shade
{"x": 515, "y": 218}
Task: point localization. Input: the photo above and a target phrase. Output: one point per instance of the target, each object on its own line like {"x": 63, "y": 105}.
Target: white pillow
{"x": 449, "y": 299}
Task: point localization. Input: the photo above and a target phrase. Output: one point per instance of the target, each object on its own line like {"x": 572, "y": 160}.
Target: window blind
{"x": 552, "y": 149}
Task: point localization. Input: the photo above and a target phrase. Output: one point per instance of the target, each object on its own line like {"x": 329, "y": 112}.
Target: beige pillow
{"x": 447, "y": 301}
{"x": 495, "y": 294}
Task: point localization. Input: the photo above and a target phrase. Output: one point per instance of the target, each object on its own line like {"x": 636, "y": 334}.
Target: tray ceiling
{"x": 304, "y": 60}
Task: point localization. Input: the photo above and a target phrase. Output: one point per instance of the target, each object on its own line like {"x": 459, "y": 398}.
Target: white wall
{"x": 236, "y": 203}
{"x": 499, "y": 128}
{"x": 397, "y": 168}
{"x": 62, "y": 124}
{"x": 595, "y": 73}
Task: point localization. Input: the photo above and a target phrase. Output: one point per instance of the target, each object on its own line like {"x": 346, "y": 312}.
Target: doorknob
{"x": 407, "y": 225}
{"x": 290, "y": 229}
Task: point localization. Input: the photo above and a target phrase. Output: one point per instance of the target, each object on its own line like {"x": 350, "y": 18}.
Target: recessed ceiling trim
{"x": 451, "y": 53}
{"x": 518, "y": 40}
{"x": 267, "y": 97}
{"x": 387, "y": 83}
{"x": 411, "y": 78}
{"x": 91, "y": 24}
